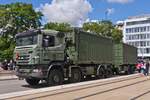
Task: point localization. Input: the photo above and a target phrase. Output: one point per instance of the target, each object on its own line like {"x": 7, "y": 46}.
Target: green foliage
{"x": 117, "y": 35}
{"x": 14, "y": 18}
{"x": 18, "y": 17}
{"x": 104, "y": 28}
{"x": 63, "y": 27}
{"x": 6, "y": 48}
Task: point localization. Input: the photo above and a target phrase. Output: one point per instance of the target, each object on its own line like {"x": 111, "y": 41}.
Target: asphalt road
{"x": 8, "y": 86}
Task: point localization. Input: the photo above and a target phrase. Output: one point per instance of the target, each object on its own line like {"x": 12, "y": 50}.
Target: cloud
{"x": 120, "y": 1}
{"x": 74, "y": 12}
{"x": 110, "y": 11}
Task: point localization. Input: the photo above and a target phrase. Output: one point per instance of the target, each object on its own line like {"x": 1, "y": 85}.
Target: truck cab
{"x": 35, "y": 52}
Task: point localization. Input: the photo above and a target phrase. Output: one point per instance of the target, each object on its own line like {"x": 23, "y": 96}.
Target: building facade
{"x": 136, "y": 32}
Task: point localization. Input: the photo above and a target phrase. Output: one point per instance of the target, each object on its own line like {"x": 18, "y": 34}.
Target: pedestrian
{"x": 143, "y": 68}
{"x": 5, "y": 64}
{"x": 147, "y": 68}
{"x": 10, "y": 65}
{"x": 138, "y": 67}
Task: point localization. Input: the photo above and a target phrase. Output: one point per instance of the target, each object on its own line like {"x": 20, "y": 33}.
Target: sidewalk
{"x": 12, "y": 77}
{"x": 7, "y": 75}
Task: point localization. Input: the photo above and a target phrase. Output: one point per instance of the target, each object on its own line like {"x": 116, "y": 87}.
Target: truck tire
{"x": 116, "y": 71}
{"x": 32, "y": 81}
{"x": 76, "y": 75}
{"x": 55, "y": 77}
{"x": 109, "y": 72}
{"x": 101, "y": 73}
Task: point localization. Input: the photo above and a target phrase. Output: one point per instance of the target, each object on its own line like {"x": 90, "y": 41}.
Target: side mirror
{"x": 45, "y": 43}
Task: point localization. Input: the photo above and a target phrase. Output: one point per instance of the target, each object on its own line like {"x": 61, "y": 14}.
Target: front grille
{"x": 25, "y": 67}
{"x": 23, "y": 62}
{"x": 24, "y": 57}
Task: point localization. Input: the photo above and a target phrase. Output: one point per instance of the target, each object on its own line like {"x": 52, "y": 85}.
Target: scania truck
{"x": 54, "y": 56}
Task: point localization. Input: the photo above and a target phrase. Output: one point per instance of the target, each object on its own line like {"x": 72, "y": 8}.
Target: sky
{"x": 77, "y": 12}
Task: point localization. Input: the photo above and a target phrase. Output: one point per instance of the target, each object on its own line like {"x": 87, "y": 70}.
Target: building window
{"x": 142, "y": 43}
{"x": 138, "y": 22}
{"x": 138, "y": 29}
{"x": 147, "y": 50}
{"x": 127, "y": 30}
{"x": 148, "y": 43}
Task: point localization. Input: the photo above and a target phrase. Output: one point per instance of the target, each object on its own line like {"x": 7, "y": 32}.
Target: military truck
{"x": 54, "y": 56}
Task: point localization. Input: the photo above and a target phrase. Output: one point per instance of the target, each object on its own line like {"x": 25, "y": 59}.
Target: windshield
{"x": 26, "y": 40}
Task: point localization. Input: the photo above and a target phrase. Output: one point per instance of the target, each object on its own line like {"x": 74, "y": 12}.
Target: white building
{"x": 120, "y": 25}
{"x": 136, "y": 32}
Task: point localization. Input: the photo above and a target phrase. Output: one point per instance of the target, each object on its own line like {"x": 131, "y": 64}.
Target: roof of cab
{"x": 35, "y": 31}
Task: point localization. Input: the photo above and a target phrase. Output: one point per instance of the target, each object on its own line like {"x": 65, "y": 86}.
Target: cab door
{"x": 53, "y": 50}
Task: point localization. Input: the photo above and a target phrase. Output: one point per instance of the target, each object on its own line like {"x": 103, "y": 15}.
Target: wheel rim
{"x": 76, "y": 76}
{"x": 101, "y": 73}
{"x": 56, "y": 79}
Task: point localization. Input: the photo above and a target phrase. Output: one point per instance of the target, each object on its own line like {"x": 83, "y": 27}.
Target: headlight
{"x": 36, "y": 57}
{"x": 37, "y": 70}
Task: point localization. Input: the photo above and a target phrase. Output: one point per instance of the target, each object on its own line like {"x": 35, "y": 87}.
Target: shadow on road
{"x": 43, "y": 84}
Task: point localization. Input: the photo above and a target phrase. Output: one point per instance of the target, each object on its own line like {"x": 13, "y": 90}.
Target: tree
{"x": 92, "y": 27}
{"x": 117, "y": 35}
{"x": 104, "y": 28}
{"x": 15, "y": 18}
{"x": 63, "y": 27}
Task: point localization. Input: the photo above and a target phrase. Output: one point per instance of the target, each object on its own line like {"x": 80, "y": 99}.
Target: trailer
{"x": 125, "y": 57}
{"x": 90, "y": 48}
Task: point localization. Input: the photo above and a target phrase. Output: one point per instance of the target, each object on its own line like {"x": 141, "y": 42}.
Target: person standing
{"x": 147, "y": 68}
{"x": 5, "y": 65}
{"x": 10, "y": 65}
{"x": 138, "y": 67}
{"x": 143, "y": 68}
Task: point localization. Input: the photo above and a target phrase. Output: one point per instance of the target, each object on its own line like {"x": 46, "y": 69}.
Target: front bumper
{"x": 30, "y": 75}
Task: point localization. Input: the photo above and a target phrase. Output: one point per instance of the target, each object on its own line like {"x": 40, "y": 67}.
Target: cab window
{"x": 48, "y": 41}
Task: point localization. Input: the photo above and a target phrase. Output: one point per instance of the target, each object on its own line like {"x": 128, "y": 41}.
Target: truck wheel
{"x": 116, "y": 71}
{"x": 76, "y": 76}
{"x": 32, "y": 81}
{"x": 55, "y": 77}
{"x": 109, "y": 73}
{"x": 101, "y": 73}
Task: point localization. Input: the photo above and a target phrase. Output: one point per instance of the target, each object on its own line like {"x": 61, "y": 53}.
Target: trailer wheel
{"x": 55, "y": 77}
{"x": 76, "y": 75}
{"x": 32, "y": 81}
{"x": 101, "y": 73}
{"x": 116, "y": 71}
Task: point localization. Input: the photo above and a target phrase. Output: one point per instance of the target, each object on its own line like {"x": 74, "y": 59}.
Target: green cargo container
{"x": 124, "y": 54}
{"x": 91, "y": 48}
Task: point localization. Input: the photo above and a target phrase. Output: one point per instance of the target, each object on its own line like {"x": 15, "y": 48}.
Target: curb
{"x": 9, "y": 77}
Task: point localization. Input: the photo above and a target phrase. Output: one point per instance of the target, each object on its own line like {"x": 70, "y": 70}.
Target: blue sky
{"x": 119, "y": 10}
